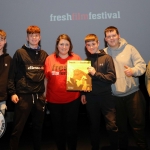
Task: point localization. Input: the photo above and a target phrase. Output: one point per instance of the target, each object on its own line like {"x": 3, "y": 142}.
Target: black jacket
{"x": 105, "y": 73}
{"x": 27, "y": 71}
{"x": 5, "y": 61}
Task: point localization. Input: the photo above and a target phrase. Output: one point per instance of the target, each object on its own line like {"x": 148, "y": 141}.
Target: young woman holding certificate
{"x": 63, "y": 104}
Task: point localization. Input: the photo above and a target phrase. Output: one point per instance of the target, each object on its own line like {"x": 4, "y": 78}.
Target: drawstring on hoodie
{"x": 33, "y": 98}
{"x": 37, "y": 96}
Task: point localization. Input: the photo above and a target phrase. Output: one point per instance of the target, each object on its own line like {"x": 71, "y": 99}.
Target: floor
{"x": 83, "y": 135}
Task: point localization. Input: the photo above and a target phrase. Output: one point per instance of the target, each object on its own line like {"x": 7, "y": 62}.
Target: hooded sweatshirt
{"x": 105, "y": 73}
{"x": 5, "y": 61}
{"x": 128, "y": 55}
{"x": 27, "y": 71}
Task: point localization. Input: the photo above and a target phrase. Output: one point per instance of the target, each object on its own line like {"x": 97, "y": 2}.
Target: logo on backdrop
{"x": 2, "y": 124}
{"x": 87, "y": 16}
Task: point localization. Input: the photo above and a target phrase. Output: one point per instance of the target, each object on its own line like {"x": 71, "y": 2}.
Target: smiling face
{"x": 33, "y": 39}
{"x": 92, "y": 47}
{"x": 63, "y": 48}
{"x": 112, "y": 39}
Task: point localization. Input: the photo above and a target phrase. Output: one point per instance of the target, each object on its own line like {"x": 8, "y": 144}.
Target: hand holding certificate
{"x": 78, "y": 78}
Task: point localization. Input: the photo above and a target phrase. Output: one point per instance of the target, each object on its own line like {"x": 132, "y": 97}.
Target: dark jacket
{"x": 105, "y": 73}
{"x": 5, "y": 61}
{"x": 27, "y": 71}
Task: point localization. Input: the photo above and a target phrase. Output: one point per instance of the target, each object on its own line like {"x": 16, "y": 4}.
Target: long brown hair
{"x": 64, "y": 37}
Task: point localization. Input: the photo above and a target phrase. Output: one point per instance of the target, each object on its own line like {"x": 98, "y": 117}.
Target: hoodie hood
{"x": 94, "y": 57}
{"x": 126, "y": 55}
{"x": 89, "y": 55}
{"x": 35, "y": 49}
{"x": 122, "y": 44}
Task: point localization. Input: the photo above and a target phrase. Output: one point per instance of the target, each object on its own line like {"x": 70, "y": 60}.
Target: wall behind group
{"x": 77, "y": 19}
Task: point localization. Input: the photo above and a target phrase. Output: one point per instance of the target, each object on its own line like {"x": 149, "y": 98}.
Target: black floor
{"x": 83, "y": 136}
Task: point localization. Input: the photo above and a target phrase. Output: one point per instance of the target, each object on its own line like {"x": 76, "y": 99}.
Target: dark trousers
{"x": 105, "y": 105}
{"x": 64, "y": 119}
{"x": 28, "y": 103}
{"x": 132, "y": 108}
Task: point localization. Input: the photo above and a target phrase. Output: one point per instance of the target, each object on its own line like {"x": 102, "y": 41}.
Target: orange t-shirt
{"x": 55, "y": 72}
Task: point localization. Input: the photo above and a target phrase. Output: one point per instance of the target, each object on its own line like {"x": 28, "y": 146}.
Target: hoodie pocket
{"x": 122, "y": 85}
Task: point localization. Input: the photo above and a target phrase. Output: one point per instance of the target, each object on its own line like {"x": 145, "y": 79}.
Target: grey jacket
{"x": 128, "y": 55}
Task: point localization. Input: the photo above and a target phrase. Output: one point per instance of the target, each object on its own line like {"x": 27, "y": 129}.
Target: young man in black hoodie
{"x": 5, "y": 61}
{"x": 100, "y": 99}
{"x": 26, "y": 87}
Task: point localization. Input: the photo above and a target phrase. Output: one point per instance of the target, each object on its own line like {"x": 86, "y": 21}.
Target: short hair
{"x": 110, "y": 29}
{"x": 3, "y": 34}
{"x": 64, "y": 37}
{"x": 33, "y": 29}
{"x": 90, "y": 37}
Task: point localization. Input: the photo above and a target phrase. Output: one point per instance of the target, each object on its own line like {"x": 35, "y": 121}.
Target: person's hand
{"x": 128, "y": 71}
{"x": 91, "y": 70}
{"x": 83, "y": 99}
{"x": 44, "y": 95}
{"x": 14, "y": 98}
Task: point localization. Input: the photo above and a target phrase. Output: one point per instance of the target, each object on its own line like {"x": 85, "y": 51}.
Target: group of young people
{"x": 33, "y": 78}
